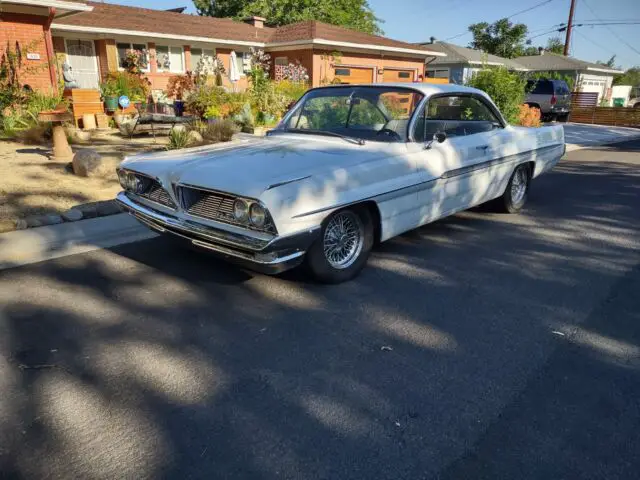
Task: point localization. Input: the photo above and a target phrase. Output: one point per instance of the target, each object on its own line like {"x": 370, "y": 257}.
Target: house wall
{"x": 28, "y": 31}
{"x": 304, "y": 56}
{"x": 324, "y": 63}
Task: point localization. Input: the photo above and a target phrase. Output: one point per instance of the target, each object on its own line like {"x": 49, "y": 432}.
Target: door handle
{"x": 482, "y": 147}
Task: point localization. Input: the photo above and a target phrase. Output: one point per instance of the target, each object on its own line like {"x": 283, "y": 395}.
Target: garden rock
{"x": 72, "y": 215}
{"x": 42, "y": 220}
{"x": 195, "y": 137}
{"x": 179, "y": 128}
{"x": 87, "y": 163}
{"x": 126, "y": 127}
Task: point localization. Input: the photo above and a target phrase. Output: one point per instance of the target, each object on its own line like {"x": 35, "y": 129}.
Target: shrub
{"x": 21, "y": 121}
{"x": 124, "y": 83}
{"x": 505, "y": 88}
{"x": 178, "y": 138}
{"x": 292, "y": 90}
{"x": 219, "y": 131}
{"x": 529, "y": 116}
{"x": 179, "y": 85}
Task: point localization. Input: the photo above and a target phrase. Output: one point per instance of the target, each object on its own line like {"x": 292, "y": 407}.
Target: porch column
{"x": 187, "y": 58}
{"x": 153, "y": 64}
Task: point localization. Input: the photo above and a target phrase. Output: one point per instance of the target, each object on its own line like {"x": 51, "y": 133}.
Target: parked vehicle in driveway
{"x": 552, "y": 97}
{"x": 347, "y": 167}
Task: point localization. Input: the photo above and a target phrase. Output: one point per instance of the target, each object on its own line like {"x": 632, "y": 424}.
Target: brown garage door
{"x": 354, "y": 74}
{"x": 393, "y": 75}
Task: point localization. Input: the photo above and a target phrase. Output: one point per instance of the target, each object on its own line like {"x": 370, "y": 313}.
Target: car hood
{"x": 250, "y": 167}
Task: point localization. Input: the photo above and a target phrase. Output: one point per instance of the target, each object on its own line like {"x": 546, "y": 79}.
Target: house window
{"x": 246, "y": 62}
{"x": 437, "y": 73}
{"x": 282, "y": 61}
{"x": 197, "y": 54}
{"x": 169, "y": 59}
{"x": 343, "y": 72}
{"x": 404, "y": 74}
{"x": 122, "y": 53}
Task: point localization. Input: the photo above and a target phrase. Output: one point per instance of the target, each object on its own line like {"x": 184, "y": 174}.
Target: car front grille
{"x": 213, "y": 205}
{"x": 157, "y": 194}
{"x": 207, "y": 204}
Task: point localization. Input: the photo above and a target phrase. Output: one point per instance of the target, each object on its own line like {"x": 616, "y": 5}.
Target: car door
{"x": 459, "y": 171}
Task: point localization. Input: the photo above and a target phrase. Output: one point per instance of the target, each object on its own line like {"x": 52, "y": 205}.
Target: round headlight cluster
{"x": 131, "y": 182}
{"x": 253, "y": 213}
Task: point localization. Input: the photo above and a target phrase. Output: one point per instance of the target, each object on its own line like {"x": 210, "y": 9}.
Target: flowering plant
{"x": 135, "y": 61}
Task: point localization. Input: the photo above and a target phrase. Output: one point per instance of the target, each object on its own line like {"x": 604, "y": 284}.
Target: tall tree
{"x": 501, "y": 38}
{"x": 354, "y": 14}
{"x": 555, "y": 45}
{"x": 611, "y": 63}
{"x": 630, "y": 77}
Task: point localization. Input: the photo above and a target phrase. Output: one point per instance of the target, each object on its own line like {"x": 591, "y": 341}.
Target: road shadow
{"x": 147, "y": 360}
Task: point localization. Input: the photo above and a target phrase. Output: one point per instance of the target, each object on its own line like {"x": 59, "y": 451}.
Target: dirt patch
{"x": 32, "y": 184}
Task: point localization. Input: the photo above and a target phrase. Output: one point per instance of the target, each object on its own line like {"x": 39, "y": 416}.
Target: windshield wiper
{"x": 359, "y": 141}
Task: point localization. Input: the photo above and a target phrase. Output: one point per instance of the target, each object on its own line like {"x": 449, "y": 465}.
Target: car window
{"x": 456, "y": 116}
{"x": 561, "y": 88}
{"x": 376, "y": 113}
{"x": 540, "y": 87}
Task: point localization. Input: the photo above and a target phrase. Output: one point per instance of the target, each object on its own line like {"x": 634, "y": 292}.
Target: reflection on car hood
{"x": 251, "y": 166}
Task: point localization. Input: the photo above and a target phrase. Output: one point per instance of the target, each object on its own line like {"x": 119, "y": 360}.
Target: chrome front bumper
{"x": 270, "y": 256}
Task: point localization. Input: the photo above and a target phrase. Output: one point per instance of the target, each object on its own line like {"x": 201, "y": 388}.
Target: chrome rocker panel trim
{"x": 270, "y": 256}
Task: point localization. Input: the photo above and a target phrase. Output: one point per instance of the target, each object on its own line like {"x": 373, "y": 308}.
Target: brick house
{"x": 93, "y": 37}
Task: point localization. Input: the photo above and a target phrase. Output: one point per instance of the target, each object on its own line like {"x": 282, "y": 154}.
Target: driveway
{"x": 580, "y": 135}
{"x": 482, "y": 346}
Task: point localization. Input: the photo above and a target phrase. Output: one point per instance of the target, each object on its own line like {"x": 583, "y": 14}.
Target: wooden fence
{"x": 616, "y": 116}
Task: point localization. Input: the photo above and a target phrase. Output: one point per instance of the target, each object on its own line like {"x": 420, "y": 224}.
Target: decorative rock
{"x": 21, "y": 224}
{"x": 126, "y": 128}
{"x": 42, "y": 220}
{"x": 86, "y": 163}
{"x": 72, "y": 215}
{"x": 179, "y": 128}
{"x": 195, "y": 137}
{"x": 82, "y": 136}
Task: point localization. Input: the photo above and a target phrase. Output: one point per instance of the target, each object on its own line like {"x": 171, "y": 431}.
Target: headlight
{"x": 122, "y": 178}
{"x": 241, "y": 210}
{"x": 131, "y": 182}
{"x": 257, "y": 215}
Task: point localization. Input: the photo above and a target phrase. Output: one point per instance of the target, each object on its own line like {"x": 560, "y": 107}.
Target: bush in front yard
{"x": 529, "y": 116}
{"x": 507, "y": 90}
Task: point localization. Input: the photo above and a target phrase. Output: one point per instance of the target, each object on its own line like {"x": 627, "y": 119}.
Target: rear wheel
{"x": 342, "y": 250}
{"x": 515, "y": 196}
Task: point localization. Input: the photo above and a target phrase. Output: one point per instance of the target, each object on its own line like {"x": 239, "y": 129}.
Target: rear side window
{"x": 540, "y": 87}
{"x": 561, "y": 87}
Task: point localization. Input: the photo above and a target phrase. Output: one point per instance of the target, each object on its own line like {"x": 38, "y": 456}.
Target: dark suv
{"x": 552, "y": 97}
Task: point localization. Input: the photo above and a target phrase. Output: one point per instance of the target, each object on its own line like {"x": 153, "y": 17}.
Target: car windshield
{"x": 368, "y": 113}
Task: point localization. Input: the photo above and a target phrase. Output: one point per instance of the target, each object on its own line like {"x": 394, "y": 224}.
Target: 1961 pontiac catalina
{"x": 348, "y": 166}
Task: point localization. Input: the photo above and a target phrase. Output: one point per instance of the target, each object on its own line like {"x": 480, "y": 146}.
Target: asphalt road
{"x": 483, "y": 346}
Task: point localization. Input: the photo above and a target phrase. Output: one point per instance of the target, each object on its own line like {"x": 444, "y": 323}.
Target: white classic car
{"x": 347, "y": 167}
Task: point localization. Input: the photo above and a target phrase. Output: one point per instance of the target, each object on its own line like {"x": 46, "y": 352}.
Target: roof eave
{"x": 76, "y": 7}
{"x": 358, "y": 46}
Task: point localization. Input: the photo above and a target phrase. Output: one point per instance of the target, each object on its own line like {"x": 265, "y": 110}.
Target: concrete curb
{"x": 22, "y": 247}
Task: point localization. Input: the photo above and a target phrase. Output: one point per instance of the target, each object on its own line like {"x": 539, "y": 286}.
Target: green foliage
{"x": 210, "y": 101}
{"x": 219, "y": 131}
{"x": 555, "y": 45}
{"x": 569, "y": 79}
{"x": 611, "y": 63}
{"x": 292, "y": 90}
{"x": 501, "y": 38}
{"x": 178, "y": 138}
{"x": 505, "y": 88}
{"x": 124, "y": 83}
{"x": 22, "y": 120}
{"x": 354, "y": 14}
{"x": 630, "y": 77}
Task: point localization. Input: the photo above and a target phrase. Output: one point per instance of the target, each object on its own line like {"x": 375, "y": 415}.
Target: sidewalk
{"x": 580, "y": 135}
{"x": 23, "y": 247}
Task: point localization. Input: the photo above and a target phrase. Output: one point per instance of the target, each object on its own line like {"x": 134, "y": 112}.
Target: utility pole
{"x": 567, "y": 38}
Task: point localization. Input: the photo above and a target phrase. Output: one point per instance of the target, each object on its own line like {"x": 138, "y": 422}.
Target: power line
{"x": 595, "y": 43}
{"x": 510, "y": 16}
{"x": 611, "y": 30}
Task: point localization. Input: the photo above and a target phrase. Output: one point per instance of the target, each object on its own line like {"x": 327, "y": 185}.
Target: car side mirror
{"x": 439, "y": 137}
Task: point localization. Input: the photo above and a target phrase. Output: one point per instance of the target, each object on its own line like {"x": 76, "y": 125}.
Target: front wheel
{"x": 342, "y": 250}
{"x": 515, "y": 196}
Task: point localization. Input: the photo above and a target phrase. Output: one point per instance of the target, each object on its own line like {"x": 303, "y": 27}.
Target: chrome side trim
{"x": 286, "y": 182}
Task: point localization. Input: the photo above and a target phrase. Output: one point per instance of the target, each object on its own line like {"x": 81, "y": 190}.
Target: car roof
{"x": 427, "y": 89}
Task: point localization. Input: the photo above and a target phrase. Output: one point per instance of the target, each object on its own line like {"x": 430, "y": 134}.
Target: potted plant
{"x": 110, "y": 94}
{"x": 177, "y": 87}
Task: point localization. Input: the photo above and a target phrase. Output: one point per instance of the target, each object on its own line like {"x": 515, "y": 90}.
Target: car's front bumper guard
{"x": 273, "y": 255}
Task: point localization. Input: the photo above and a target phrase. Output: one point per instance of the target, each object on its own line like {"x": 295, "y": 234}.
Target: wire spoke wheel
{"x": 343, "y": 239}
{"x": 519, "y": 185}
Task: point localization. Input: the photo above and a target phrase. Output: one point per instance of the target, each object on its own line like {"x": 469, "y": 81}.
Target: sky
{"x": 417, "y": 20}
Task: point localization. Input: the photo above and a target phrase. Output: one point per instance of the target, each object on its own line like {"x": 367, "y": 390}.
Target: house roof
{"x": 458, "y": 54}
{"x": 113, "y": 19}
{"x": 63, "y": 8}
{"x": 311, "y": 30}
{"x": 551, "y": 61}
